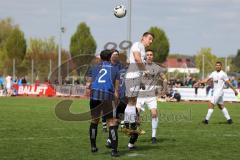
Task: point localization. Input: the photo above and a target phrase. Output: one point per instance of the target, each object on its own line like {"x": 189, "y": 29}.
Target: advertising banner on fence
{"x": 203, "y": 95}
{"x": 74, "y": 91}
{"x": 41, "y": 90}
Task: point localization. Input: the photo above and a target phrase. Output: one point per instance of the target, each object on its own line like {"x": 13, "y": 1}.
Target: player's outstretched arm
{"x": 202, "y": 81}
{"x": 231, "y": 86}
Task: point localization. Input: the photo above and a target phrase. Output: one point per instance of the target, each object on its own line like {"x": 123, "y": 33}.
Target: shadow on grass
{"x": 135, "y": 153}
{"x": 159, "y": 140}
{"x": 225, "y": 122}
{"x": 217, "y": 123}
{"x": 145, "y": 147}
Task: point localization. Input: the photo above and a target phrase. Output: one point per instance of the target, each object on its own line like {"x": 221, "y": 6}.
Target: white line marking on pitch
{"x": 134, "y": 155}
{"x": 3, "y": 129}
{"x": 35, "y": 138}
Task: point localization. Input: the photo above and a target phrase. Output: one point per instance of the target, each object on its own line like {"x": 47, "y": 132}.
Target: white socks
{"x": 130, "y": 114}
{"x": 130, "y": 145}
{"x": 225, "y": 113}
{"x": 210, "y": 111}
{"x": 154, "y": 126}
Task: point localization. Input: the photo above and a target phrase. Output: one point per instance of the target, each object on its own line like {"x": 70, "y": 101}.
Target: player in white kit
{"x": 135, "y": 71}
{"x": 219, "y": 79}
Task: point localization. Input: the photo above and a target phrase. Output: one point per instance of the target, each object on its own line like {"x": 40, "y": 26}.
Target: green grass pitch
{"x": 29, "y": 129}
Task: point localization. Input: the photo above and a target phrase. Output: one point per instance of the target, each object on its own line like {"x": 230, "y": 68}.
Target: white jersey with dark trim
{"x": 150, "y": 82}
{"x": 219, "y": 79}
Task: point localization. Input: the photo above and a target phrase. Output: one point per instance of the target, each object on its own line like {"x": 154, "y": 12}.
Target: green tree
{"x": 82, "y": 41}
{"x": 236, "y": 61}
{"x": 160, "y": 44}
{"x": 41, "y": 48}
{"x": 6, "y": 28}
{"x": 16, "y": 45}
{"x": 209, "y": 60}
{"x": 15, "y": 49}
{"x": 42, "y": 51}
{"x": 82, "y": 47}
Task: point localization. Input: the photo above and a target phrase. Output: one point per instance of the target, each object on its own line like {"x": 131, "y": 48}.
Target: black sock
{"x": 113, "y": 135}
{"x": 126, "y": 124}
{"x": 104, "y": 124}
{"x": 93, "y": 134}
{"x": 104, "y": 121}
{"x": 134, "y": 136}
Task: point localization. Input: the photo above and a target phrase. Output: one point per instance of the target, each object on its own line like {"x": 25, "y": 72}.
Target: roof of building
{"x": 180, "y": 62}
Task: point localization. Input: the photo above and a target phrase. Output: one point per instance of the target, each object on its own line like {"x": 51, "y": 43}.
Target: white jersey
{"x": 219, "y": 79}
{"x": 151, "y": 80}
{"x": 137, "y": 47}
{"x": 133, "y": 70}
{"x": 8, "y": 82}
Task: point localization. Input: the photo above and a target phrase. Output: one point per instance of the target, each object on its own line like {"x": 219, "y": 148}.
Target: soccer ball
{"x": 120, "y": 11}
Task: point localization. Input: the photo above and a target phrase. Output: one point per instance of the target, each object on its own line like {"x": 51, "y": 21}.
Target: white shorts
{"x": 132, "y": 86}
{"x": 217, "y": 99}
{"x": 8, "y": 86}
{"x": 151, "y": 103}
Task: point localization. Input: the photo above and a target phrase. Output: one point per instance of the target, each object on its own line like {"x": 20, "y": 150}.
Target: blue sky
{"x": 189, "y": 24}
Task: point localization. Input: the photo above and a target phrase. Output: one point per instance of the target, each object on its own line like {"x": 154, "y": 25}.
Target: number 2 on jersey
{"x": 103, "y": 72}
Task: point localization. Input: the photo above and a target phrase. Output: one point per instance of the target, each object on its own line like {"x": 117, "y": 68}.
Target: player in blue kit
{"x": 104, "y": 81}
{"x": 123, "y": 99}
{"x": 119, "y": 66}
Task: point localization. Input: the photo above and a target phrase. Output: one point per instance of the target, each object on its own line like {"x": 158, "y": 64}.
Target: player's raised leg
{"x": 130, "y": 116}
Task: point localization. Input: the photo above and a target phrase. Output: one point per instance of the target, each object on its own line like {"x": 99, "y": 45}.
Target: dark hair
{"x": 148, "y": 33}
{"x": 114, "y": 50}
{"x": 105, "y": 55}
{"x": 218, "y": 62}
{"x": 149, "y": 50}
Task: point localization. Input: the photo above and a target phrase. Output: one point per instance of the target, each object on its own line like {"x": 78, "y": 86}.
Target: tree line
{"x": 43, "y": 53}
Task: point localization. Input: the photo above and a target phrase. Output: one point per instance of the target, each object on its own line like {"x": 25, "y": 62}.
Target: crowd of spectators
{"x": 190, "y": 81}
{"x": 173, "y": 95}
{"x": 7, "y": 84}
